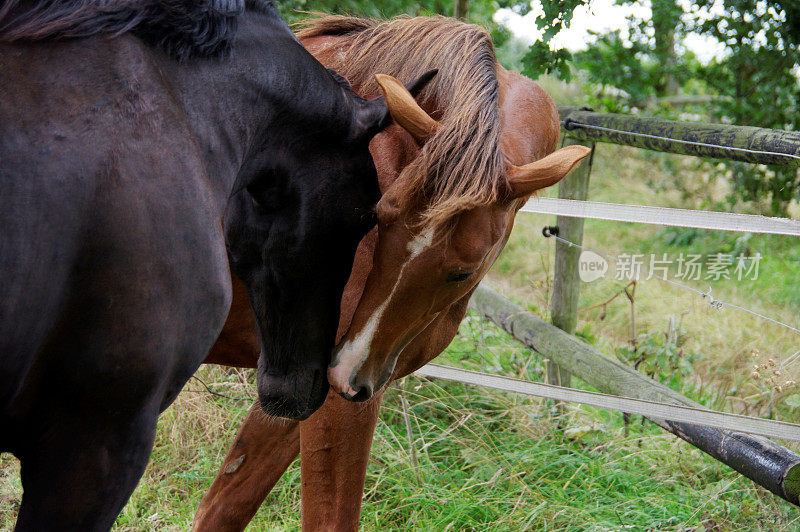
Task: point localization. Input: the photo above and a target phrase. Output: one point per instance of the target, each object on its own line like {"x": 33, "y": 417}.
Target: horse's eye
{"x": 258, "y": 208}
{"x": 459, "y": 277}
{"x": 367, "y": 217}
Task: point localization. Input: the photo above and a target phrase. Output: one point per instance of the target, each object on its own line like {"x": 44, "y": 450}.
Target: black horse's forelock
{"x": 183, "y": 28}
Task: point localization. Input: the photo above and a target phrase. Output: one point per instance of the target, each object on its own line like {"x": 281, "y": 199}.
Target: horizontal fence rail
{"x": 720, "y": 141}
{"x": 721, "y": 221}
{"x": 679, "y": 413}
{"x": 744, "y": 448}
{"x": 737, "y": 441}
{"x": 765, "y": 462}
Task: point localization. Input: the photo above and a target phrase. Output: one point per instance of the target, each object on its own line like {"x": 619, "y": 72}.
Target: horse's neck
{"x": 220, "y": 132}
{"x": 230, "y": 103}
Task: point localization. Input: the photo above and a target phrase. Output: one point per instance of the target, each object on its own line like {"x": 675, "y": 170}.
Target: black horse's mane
{"x": 183, "y": 28}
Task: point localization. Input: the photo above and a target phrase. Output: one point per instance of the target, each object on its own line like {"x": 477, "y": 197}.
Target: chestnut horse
{"x": 451, "y": 190}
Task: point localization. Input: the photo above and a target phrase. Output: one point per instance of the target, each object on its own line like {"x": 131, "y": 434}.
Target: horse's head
{"x": 421, "y": 268}
{"x": 306, "y": 198}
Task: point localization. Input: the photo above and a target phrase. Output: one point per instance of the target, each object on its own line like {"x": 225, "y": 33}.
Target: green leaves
{"x": 541, "y": 60}
{"x": 753, "y": 82}
{"x": 793, "y": 401}
{"x": 757, "y": 75}
{"x": 557, "y": 15}
{"x": 294, "y": 10}
{"x": 661, "y": 357}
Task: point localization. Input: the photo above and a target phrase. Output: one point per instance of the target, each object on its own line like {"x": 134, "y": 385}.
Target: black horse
{"x": 118, "y": 160}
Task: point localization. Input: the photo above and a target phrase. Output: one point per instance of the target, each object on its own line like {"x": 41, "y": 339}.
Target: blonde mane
{"x": 462, "y": 165}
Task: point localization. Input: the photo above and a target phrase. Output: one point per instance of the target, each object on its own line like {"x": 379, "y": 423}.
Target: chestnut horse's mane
{"x": 183, "y": 28}
{"x": 462, "y": 165}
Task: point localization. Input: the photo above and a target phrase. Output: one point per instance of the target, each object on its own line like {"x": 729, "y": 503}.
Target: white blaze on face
{"x": 349, "y": 358}
{"x": 418, "y": 245}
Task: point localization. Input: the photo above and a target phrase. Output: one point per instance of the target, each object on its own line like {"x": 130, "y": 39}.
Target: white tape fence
{"x": 721, "y": 221}
{"x": 678, "y": 413}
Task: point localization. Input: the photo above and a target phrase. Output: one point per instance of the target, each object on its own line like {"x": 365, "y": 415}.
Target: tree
{"x": 644, "y": 66}
{"x": 666, "y": 22}
{"x": 755, "y": 80}
{"x": 758, "y": 77}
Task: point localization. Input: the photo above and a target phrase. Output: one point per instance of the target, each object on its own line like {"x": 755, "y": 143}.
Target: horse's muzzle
{"x": 295, "y": 395}
{"x": 361, "y": 383}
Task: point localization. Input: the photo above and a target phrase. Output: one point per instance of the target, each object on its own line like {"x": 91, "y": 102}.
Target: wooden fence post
{"x": 566, "y": 282}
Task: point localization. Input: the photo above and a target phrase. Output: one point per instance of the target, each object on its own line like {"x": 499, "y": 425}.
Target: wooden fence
{"x": 764, "y": 461}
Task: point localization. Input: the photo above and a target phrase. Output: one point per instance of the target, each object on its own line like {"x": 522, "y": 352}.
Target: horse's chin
{"x": 295, "y": 395}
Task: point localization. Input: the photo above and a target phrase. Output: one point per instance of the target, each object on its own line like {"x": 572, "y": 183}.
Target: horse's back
{"x": 108, "y": 231}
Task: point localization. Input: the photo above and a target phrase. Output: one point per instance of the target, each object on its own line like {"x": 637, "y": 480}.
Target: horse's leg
{"x": 79, "y": 471}
{"x": 263, "y": 449}
{"x": 335, "y": 443}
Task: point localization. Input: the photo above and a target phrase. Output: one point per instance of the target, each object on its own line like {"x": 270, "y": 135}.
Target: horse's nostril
{"x": 363, "y": 391}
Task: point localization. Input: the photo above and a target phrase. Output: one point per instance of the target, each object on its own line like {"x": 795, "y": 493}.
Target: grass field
{"x": 494, "y": 461}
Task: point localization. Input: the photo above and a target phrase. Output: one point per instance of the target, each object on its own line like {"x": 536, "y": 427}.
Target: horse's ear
{"x": 373, "y": 116}
{"x": 405, "y": 110}
{"x": 525, "y": 180}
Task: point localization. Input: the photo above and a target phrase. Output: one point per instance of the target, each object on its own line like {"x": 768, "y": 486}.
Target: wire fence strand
{"x": 715, "y": 303}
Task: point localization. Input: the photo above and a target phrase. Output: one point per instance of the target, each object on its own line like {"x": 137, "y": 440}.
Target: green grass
{"x": 489, "y": 460}
{"x": 722, "y": 339}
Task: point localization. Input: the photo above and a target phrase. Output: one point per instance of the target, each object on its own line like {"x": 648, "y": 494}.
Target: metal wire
{"x": 568, "y": 123}
{"x": 212, "y": 392}
{"x": 716, "y": 303}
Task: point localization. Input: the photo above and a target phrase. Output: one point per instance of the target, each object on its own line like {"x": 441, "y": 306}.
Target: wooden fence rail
{"x": 722, "y": 141}
{"x": 767, "y": 463}
{"x": 760, "y": 459}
